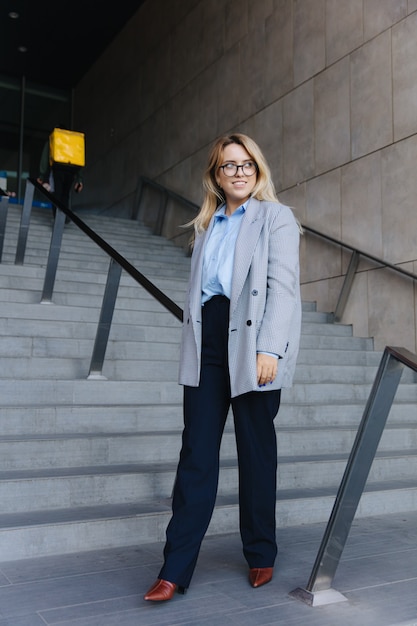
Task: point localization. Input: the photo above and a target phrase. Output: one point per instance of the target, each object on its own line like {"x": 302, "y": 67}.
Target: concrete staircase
{"x": 87, "y": 464}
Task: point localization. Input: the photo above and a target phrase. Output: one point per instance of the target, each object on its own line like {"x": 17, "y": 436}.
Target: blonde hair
{"x": 213, "y": 194}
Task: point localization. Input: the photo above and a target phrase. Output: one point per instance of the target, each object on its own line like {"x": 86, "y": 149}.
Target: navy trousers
{"x": 205, "y": 412}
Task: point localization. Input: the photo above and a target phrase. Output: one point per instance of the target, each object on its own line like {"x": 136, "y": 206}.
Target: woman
{"x": 239, "y": 347}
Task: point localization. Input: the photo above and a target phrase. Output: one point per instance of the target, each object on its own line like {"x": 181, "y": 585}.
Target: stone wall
{"x": 328, "y": 88}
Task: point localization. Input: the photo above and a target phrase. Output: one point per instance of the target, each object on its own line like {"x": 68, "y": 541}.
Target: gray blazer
{"x": 265, "y": 306}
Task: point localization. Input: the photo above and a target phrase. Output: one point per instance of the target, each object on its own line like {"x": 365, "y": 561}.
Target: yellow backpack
{"x": 67, "y": 147}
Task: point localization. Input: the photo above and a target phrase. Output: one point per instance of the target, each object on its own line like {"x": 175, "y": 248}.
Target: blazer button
{"x": 249, "y": 323}
{"x": 254, "y": 292}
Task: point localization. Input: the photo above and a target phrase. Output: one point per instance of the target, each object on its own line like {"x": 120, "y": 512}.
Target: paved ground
{"x": 377, "y": 575}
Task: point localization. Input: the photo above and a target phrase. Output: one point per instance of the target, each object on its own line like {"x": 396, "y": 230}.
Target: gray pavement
{"x": 377, "y": 576}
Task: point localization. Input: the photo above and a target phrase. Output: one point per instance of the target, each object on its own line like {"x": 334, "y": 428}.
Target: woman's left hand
{"x": 266, "y": 368}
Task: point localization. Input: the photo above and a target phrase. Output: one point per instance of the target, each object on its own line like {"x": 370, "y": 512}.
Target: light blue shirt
{"x": 220, "y": 252}
{"x": 219, "y": 255}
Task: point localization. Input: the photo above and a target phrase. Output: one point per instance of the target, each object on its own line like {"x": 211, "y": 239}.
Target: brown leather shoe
{"x": 162, "y": 590}
{"x": 259, "y": 576}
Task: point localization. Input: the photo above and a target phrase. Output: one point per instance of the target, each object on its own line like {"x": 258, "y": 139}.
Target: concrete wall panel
{"x": 379, "y": 15}
{"x": 332, "y": 117}
{"x": 309, "y": 39}
{"x": 267, "y": 130}
{"x": 361, "y": 204}
{"x": 298, "y": 139}
{"x": 399, "y": 193}
{"x": 391, "y": 310}
{"x": 371, "y": 96}
{"x": 278, "y": 66}
{"x": 404, "y": 62}
{"x": 344, "y": 29}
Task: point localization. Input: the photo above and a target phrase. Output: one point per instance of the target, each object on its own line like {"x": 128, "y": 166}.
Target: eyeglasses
{"x": 231, "y": 169}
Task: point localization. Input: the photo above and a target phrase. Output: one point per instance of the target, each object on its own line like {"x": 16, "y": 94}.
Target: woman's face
{"x": 238, "y": 187}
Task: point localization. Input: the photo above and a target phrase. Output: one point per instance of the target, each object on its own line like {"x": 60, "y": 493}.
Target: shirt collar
{"x": 220, "y": 213}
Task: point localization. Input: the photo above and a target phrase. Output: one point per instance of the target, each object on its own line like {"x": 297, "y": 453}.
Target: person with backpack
{"x": 59, "y": 178}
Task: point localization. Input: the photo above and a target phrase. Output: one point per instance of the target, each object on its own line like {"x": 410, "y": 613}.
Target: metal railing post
{"x": 319, "y": 590}
{"x": 137, "y": 199}
{"x": 4, "y": 205}
{"x": 24, "y": 223}
{"x": 160, "y": 218}
{"x": 106, "y": 316}
{"x": 347, "y": 286}
{"x": 53, "y": 257}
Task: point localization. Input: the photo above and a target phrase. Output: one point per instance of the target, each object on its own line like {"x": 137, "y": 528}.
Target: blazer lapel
{"x": 197, "y": 272}
{"x": 250, "y": 229}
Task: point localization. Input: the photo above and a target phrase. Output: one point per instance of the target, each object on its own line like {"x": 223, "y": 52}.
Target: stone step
{"x": 59, "y": 488}
{"x": 129, "y": 299}
{"x": 332, "y": 330}
{"x": 333, "y": 342}
{"x": 88, "y": 418}
{"x": 87, "y": 330}
{"x": 336, "y": 392}
{"x": 38, "y": 451}
{"x": 74, "y": 294}
{"x": 63, "y": 531}
{"x": 14, "y": 288}
{"x": 81, "y": 315}
{"x": 138, "y": 254}
{"x": 74, "y": 348}
{"x": 84, "y": 392}
{"x": 139, "y": 251}
{"x": 28, "y": 273}
{"x": 163, "y": 367}
{"x": 136, "y": 418}
{"x": 116, "y": 368}
{"x": 130, "y": 234}
{"x": 18, "y": 277}
{"x": 341, "y": 414}
{"x": 101, "y": 392}
{"x": 330, "y": 357}
{"x": 150, "y": 269}
{"x": 45, "y": 329}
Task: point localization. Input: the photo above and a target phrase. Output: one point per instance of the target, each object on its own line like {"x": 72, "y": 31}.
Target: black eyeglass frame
{"x": 242, "y": 166}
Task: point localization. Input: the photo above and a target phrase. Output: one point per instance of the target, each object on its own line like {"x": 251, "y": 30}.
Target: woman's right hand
{"x": 266, "y": 368}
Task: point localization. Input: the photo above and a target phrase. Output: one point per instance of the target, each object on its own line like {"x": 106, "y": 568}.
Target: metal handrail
{"x": 4, "y": 205}
{"x": 117, "y": 264}
{"x": 357, "y": 254}
{"x": 318, "y": 590}
{"x": 353, "y": 265}
{"x": 166, "y": 192}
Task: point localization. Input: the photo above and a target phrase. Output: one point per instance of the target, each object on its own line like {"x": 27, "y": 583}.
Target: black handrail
{"x": 112, "y": 253}
{"x": 375, "y": 259}
{"x": 116, "y": 265}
